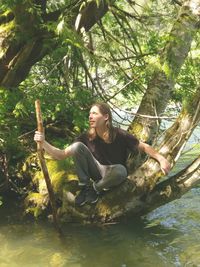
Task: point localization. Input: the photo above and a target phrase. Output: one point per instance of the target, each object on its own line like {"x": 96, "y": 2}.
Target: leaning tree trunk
{"x": 173, "y": 188}
{"x": 141, "y": 193}
{"x": 166, "y": 71}
{"x": 25, "y": 38}
{"x": 173, "y": 143}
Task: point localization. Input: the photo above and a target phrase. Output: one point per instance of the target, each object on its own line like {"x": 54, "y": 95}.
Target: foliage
{"x": 10, "y": 116}
{"x": 113, "y": 62}
{"x": 118, "y": 53}
{"x": 188, "y": 79}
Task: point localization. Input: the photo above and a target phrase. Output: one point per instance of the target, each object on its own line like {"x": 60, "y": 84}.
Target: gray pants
{"x": 87, "y": 167}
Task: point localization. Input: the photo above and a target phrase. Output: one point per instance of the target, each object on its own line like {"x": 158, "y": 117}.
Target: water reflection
{"x": 169, "y": 236}
{"x": 34, "y": 244}
{"x": 183, "y": 218}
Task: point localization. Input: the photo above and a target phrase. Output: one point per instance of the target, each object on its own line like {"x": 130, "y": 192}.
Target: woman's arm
{"x": 164, "y": 163}
{"x": 53, "y": 151}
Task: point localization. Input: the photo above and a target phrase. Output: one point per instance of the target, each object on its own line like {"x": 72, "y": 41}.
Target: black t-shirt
{"x": 112, "y": 153}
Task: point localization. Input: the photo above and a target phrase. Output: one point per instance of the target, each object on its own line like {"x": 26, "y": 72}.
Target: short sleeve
{"x": 81, "y": 138}
{"x": 131, "y": 141}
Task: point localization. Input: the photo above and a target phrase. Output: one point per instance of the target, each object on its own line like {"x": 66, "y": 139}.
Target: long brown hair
{"x": 104, "y": 110}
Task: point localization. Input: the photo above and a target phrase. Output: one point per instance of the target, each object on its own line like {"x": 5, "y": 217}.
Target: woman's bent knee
{"x": 78, "y": 147}
{"x": 121, "y": 171}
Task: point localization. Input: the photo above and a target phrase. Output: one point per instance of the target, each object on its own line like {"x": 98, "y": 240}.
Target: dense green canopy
{"x": 138, "y": 56}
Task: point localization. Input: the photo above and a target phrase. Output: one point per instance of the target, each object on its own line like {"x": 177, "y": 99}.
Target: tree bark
{"x": 173, "y": 188}
{"x": 166, "y": 70}
{"x": 25, "y": 39}
{"x": 173, "y": 143}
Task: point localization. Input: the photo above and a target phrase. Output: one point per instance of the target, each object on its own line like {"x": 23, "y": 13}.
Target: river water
{"x": 168, "y": 236}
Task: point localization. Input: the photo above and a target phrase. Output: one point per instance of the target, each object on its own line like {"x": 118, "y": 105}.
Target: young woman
{"x": 100, "y": 154}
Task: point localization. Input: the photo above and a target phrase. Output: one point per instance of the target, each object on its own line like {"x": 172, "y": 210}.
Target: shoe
{"x": 92, "y": 195}
{"x": 80, "y": 199}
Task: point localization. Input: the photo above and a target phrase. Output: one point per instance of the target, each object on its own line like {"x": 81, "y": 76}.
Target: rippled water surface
{"x": 169, "y": 236}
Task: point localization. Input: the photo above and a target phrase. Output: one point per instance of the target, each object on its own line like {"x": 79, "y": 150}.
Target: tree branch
{"x": 89, "y": 15}
{"x": 172, "y": 145}
{"x": 174, "y": 187}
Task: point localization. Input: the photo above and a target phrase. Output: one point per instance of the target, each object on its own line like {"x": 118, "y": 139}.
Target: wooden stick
{"x": 44, "y": 167}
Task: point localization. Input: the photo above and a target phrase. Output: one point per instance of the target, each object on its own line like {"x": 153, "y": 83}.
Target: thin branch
{"x": 90, "y": 77}
{"x": 177, "y": 2}
{"x": 133, "y": 57}
{"x": 150, "y": 117}
{"x": 117, "y": 41}
{"x": 119, "y": 66}
{"x": 125, "y": 13}
{"x": 124, "y": 31}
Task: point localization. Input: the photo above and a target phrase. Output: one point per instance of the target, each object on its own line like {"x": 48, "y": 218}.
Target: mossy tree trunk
{"x": 25, "y": 38}
{"x": 166, "y": 69}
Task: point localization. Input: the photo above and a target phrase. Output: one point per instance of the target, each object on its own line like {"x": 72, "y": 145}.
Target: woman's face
{"x": 96, "y": 118}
